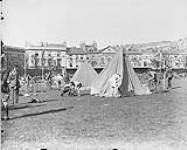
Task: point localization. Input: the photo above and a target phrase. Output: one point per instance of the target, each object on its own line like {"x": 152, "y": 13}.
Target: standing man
{"x": 28, "y": 79}
{"x": 4, "y": 93}
{"x": 49, "y": 79}
{"x": 14, "y": 84}
{"x": 169, "y": 78}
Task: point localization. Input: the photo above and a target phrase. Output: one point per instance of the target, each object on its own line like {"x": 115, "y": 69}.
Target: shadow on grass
{"x": 177, "y": 87}
{"x": 51, "y": 100}
{"x": 23, "y": 107}
{"x": 43, "y": 113}
{"x": 42, "y": 101}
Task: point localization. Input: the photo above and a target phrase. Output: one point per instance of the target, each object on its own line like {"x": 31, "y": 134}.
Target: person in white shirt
{"x": 115, "y": 82}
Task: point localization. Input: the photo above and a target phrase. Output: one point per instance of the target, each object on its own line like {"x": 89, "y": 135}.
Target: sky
{"x": 109, "y": 22}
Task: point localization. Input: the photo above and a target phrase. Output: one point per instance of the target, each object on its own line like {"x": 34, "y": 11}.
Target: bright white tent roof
{"x": 85, "y": 74}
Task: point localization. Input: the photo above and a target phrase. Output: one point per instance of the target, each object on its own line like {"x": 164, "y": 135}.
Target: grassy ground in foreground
{"x": 157, "y": 121}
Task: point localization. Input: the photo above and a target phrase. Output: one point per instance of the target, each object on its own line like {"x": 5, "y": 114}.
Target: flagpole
{"x": 160, "y": 66}
{"x": 160, "y": 62}
{"x": 42, "y": 73}
{"x": 25, "y": 66}
{"x": 42, "y": 65}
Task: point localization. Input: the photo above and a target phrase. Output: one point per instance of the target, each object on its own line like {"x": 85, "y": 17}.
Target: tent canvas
{"x": 129, "y": 83}
{"x": 85, "y": 74}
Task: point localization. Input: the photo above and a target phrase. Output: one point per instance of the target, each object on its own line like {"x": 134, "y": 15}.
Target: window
{"x": 102, "y": 60}
{"x": 71, "y": 65}
{"x": 94, "y": 63}
{"x": 109, "y": 59}
{"x": 145, "y": 64}
{"x": 58, "y": 54}
{"x": 59, "y": 62}
{"x": 77, "y": 58}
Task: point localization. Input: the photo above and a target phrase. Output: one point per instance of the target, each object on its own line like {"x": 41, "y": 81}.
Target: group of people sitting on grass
{"x": 72, "y": 89}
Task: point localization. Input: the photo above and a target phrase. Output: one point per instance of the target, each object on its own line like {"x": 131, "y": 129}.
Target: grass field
{"x": 157, "y": 122}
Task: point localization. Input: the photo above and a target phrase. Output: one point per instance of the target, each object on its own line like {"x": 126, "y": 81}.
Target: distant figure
{"x": 28, "y": 79}
{"x": 150, "y": 79}
{"x": 66, "y": 78}
{"x": 4, "y": 93}
{"x": 49, "y": 79}
{"x": 14, "y": 84}
{"x": 64, "y": 71}
{"x": 154, "y": 81}
{"x": 169, "y": 78}
{"x": 58, "y": 80}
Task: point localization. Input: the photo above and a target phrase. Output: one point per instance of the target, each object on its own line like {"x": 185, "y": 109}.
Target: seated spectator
{"x": 72, "y": 88}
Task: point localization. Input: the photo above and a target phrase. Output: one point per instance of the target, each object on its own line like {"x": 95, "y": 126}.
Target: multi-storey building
{"x": 13, "y": 56}
{"x": 143, "y": 58}
{"x": 97, "y": 58}
{"x": 57, "y": 56}
{"x": 46, "y": 56}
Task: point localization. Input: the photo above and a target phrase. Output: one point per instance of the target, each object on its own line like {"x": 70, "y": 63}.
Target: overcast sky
{"x": 105, "y": 21}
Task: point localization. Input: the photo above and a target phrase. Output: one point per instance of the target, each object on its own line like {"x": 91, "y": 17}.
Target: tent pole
{"x": 160, "y": 67}
{"x": 25, "y": 66}
{"x": 160, "y": 62}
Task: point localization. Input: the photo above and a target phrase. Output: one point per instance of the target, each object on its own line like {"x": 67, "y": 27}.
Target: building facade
{"x": 49, "y": 56}
{"x": 46, "y": 56}
{"x": 13, "y": 56}
{"x": 97, "y": 58}
{"x": 144, "y": 57}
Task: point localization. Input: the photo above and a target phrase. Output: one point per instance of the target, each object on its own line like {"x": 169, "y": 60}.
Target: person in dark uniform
{"x": 169, "y": 78}
{"x": 49, "y": 79}
{"x": 4, "y": 93}
{"x": 14, "y": 84}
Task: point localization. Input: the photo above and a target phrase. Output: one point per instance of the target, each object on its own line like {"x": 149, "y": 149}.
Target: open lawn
{"x": 157, "y": 122}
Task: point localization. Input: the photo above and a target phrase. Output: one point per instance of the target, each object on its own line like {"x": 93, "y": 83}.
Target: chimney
{"x": 83, "y": 45}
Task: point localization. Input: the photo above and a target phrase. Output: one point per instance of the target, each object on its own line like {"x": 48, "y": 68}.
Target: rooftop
{"x": 46, "y": 46}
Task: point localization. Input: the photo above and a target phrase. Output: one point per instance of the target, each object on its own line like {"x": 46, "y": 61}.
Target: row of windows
{"x": 49, "y": 54}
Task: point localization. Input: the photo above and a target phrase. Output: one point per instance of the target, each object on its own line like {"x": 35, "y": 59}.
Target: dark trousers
{"x": 14, "y": 93}
{"x": 4, "y": 104}
{"x": 65, "y": 90}
{"x": 71, "y": 92}
{"x": 169, "y": 83}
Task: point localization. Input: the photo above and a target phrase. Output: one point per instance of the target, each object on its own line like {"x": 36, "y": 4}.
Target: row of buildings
{"x": 57, "y": 56}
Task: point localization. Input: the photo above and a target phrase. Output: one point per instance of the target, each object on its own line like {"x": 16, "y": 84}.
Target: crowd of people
{"x": 11, "y": 84}
{"x": 160, "y": 80}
